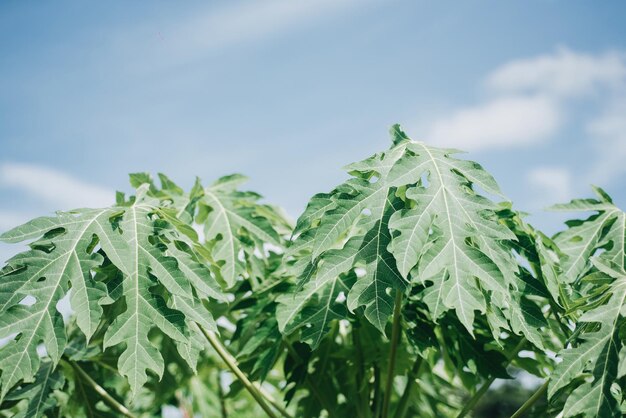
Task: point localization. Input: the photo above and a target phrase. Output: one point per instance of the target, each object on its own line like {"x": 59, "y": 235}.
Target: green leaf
{"x": 595, "y": 355}
{"x": 45, "y": 275}
{"x": 413, "y": 214}
{"x": 231, "y": 220}
{"x": 582, "y": 239}
{"x": 454, "y": 235}
{"x": 594, "y": 263}
{"x": 72, "y": 248}
{"x": 355, "y": 214}
{"x": 39, "y": 392}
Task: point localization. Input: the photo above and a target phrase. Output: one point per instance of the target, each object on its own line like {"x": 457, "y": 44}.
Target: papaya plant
{"x": 409, "y": 290}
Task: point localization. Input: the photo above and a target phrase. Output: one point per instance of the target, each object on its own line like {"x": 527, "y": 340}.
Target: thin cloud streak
{"x": 562, "y": 74}
{"x": 608, "y": 133}
{"x": 191, "y": 38}
{"x": 552, "y": 184}
{"x": 54, "y": 186}
{"x": 501, "y": 123}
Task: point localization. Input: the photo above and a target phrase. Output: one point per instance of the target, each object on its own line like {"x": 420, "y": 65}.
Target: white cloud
{"x": 552, "y": 184}
{"x": 564, "y": 73}
{"x": 54, "y": 187}
{"x": 500, "y": 123}
{"x": 218, "y": 28}
{"x": 608, "y": 133}
{"x": 9, "y": 219}
{"x": 530, "y": 98}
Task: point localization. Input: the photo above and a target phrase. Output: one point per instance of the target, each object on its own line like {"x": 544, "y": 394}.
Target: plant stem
{"x": 232, "y": 365}
{"x": 395, "y": 338}
{"x": 404, "y": 399}
{"x": 485, "y": 387}
{"x": 273, "y": 401}
{"x": 531, "y": 401}
{"x": 106, "y": 397}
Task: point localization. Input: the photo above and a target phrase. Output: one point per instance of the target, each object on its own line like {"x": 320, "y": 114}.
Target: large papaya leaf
{"x": 411, "y": 214}
{"x": 454, "y": 234}
{"x": 595, "y": 264}
{"x": 133, "y": 236}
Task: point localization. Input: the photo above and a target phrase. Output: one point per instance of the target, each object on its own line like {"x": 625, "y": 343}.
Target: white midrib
{"x": 227, "y": 220}
{"x": 581, "y": 253}
{"x": 359, "y": 206}
{"x": 58, "y": 281}
{"x": 413, "y": 234}
{"x": 378, "y": 236}
{"x": 135, "y": 238}
{"x": 328, "y": 302}
{"x": 601, "y": 341}
{"x": 454, "y": 246}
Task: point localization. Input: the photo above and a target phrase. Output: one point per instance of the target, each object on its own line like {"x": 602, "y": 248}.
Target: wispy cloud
{"x": 9, "y": 219}
{"x": 500, "y": 123}
{"x": 564, "y": 74}
{"x": 552, "y": 184}
{"x": 53, "y": 186}
{"x": 608, "y": 133}
{"x": 187, "y": 38}
{"x": 529, "y": 98}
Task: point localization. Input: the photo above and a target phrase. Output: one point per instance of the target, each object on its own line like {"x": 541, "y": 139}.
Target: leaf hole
{"x": 29, "y": 300}
{"x": 424, "y": 181}
{"x": 341, "y": 297}
{"x": 41, "y": 351}
{"x": 11, "y": 337}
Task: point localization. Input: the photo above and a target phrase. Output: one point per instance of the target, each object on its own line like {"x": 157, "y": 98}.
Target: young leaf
{"x": 582, "y": 239}
{"x": 231, "y": 219}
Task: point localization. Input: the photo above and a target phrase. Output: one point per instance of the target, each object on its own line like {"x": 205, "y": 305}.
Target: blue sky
{"x": 289, "y": 92}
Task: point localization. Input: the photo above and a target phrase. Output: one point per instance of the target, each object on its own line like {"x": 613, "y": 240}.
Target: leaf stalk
{"x": 531, "y": 401}
{"x": 485, "y": 387}
{"x": 106, "y": 397}
{"x": 231, "y": 362}
{"x": 395, "y": 339}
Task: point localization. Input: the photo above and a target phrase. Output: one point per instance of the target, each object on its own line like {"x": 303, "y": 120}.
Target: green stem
{"x": 531, "y": 401}
{"x": 395, "y": 338}
{"x": 106, "y": 397}
{"x": 566, "y": 331}
{"x": 404, "y": 399}
{"x": 273, "y": 401}
{"x": 232, "y": 365}
{"x": 485, "y": 387}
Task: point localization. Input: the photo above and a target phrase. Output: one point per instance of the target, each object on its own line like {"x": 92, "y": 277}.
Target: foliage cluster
{"x": 405, "y": 291}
